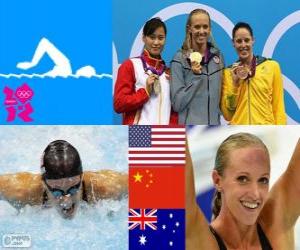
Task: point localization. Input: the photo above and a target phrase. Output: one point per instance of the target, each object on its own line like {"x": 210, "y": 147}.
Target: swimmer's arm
{"x": 198, "y": 235}
{"x": 280, "y": 213}
{"x": 282, "y": 208}
{"x": 10, "y": 188}
{"x": 21, "y": 189}
{"x": 105, "y": 184}
{"x": 289, "y": 183}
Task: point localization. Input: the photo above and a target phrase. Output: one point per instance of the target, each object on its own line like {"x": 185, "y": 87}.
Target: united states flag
{"x": 156, "y": 146}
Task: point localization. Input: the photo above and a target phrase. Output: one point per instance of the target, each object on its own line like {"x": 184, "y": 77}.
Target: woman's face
{"x": 243, "y": 44}
{"x": 65, "y": 195}
{"x": 245, "y": 184}
{"x": 199, "y": 28}
{"x": 155, "y": 42}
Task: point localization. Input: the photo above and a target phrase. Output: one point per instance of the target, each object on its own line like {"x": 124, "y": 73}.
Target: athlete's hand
{"x": 234, "y": 75}
{"x": 150, "y": 81}
{"x": 196, "y": 67}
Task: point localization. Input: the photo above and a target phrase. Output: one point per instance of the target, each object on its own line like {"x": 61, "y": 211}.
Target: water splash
{"x": 100, "y": 226}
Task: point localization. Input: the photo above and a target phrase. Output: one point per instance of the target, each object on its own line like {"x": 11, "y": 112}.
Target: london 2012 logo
{"x": 17, "y": 103}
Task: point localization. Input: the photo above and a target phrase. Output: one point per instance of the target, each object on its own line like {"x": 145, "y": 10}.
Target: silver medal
{"x": 157, "y": 86}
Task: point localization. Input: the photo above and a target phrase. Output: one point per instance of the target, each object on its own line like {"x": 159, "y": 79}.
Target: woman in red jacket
{"x": 142, "y": 91}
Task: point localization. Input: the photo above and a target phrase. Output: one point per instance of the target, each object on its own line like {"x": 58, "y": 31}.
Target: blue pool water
{"x": 102, "y": 226}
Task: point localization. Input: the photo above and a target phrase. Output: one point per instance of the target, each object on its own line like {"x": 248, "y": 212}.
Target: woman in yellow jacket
{"x": 252, "y": 91}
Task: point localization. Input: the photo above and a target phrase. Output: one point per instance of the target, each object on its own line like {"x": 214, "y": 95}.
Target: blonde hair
{"x": 187, "y": 43}
{"x": 235, "y": 141}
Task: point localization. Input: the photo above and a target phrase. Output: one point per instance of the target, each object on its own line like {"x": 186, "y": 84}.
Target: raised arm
{"x": 282, "y": 209}
{"x": 289, "y": 183}
{"x": 198, "y": 235}
{"x": 105, "y": 184}
{"x": 21, "y": 189}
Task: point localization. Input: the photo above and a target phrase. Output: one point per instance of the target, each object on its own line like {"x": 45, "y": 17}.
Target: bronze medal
{"x": 242, "y": 72}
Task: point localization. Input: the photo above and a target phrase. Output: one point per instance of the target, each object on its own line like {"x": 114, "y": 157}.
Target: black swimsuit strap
{"x": 264, "y": 242}
{"x": 84, "y": 194}
{"x": 218, "y": 238}
{"x": 45, "y": 198}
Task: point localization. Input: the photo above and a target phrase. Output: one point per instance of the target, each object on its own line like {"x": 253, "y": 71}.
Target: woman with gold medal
{"x": 196, "y": 74}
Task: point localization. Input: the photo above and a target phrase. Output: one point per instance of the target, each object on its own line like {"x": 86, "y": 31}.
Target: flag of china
{"x": 159, "y": 187}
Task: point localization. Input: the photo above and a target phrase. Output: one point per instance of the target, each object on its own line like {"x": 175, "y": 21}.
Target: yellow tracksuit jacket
{"x": 257, "y": 100}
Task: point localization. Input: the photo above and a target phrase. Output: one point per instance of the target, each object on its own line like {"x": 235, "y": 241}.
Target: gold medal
{"x": 195, "y": 57}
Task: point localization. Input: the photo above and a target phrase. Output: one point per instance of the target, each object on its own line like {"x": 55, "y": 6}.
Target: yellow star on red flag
{"x": 137, "y": 177}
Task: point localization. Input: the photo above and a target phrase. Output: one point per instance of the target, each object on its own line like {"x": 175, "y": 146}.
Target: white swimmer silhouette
{"x": 62, "y": 63}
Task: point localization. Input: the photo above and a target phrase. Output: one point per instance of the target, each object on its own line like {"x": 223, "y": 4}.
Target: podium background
{"x": 130, "y": 16}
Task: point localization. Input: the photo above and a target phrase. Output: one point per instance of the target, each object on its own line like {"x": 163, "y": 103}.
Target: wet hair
{"x": 187, "y": 43}
{"x": 241, "y": 25}
{"x": 152, "y": 25}
{"x": 60, "y": 160}
{"x": 235, "y": 141}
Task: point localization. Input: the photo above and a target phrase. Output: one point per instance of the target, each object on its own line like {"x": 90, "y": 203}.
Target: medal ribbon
{"x": 253, "y": 67}
{"x": 152, "y": 69}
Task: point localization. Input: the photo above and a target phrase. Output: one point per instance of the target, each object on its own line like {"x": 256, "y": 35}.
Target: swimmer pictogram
{"x": 62, "y": 64}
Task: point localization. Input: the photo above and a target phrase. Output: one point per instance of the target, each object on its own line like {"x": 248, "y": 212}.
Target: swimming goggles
{"x": 57, "y": 193}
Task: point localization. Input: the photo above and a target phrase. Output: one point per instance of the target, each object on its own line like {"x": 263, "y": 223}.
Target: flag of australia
{"x": 156, "y": 229}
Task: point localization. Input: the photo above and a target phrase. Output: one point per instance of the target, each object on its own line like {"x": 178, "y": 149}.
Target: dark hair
{"x": 240, "y": 25}
{"x": 60, "y": 160}
{"x": 152, "y": 25}
{"x": 235, "y": 141}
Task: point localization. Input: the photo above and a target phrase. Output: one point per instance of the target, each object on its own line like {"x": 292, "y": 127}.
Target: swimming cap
{"x": 60, "y": 160}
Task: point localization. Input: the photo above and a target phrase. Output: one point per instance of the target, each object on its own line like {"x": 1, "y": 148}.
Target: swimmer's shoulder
{"x": 22, "y": 188}
{"x": 105, "y": 184}
{"x": 103, "y": 176}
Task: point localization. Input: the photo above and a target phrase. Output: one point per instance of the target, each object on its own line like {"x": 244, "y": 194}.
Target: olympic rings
{"x": 185, "y": 8}
{"x": 25, "y": 94}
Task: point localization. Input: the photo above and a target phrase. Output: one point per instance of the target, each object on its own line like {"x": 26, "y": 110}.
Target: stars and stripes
{"x": 156, "y": 146}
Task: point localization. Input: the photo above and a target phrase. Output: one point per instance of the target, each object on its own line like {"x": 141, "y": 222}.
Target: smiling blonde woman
{"x": 196, "y": 84}
{"x": 246, "y": 214}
